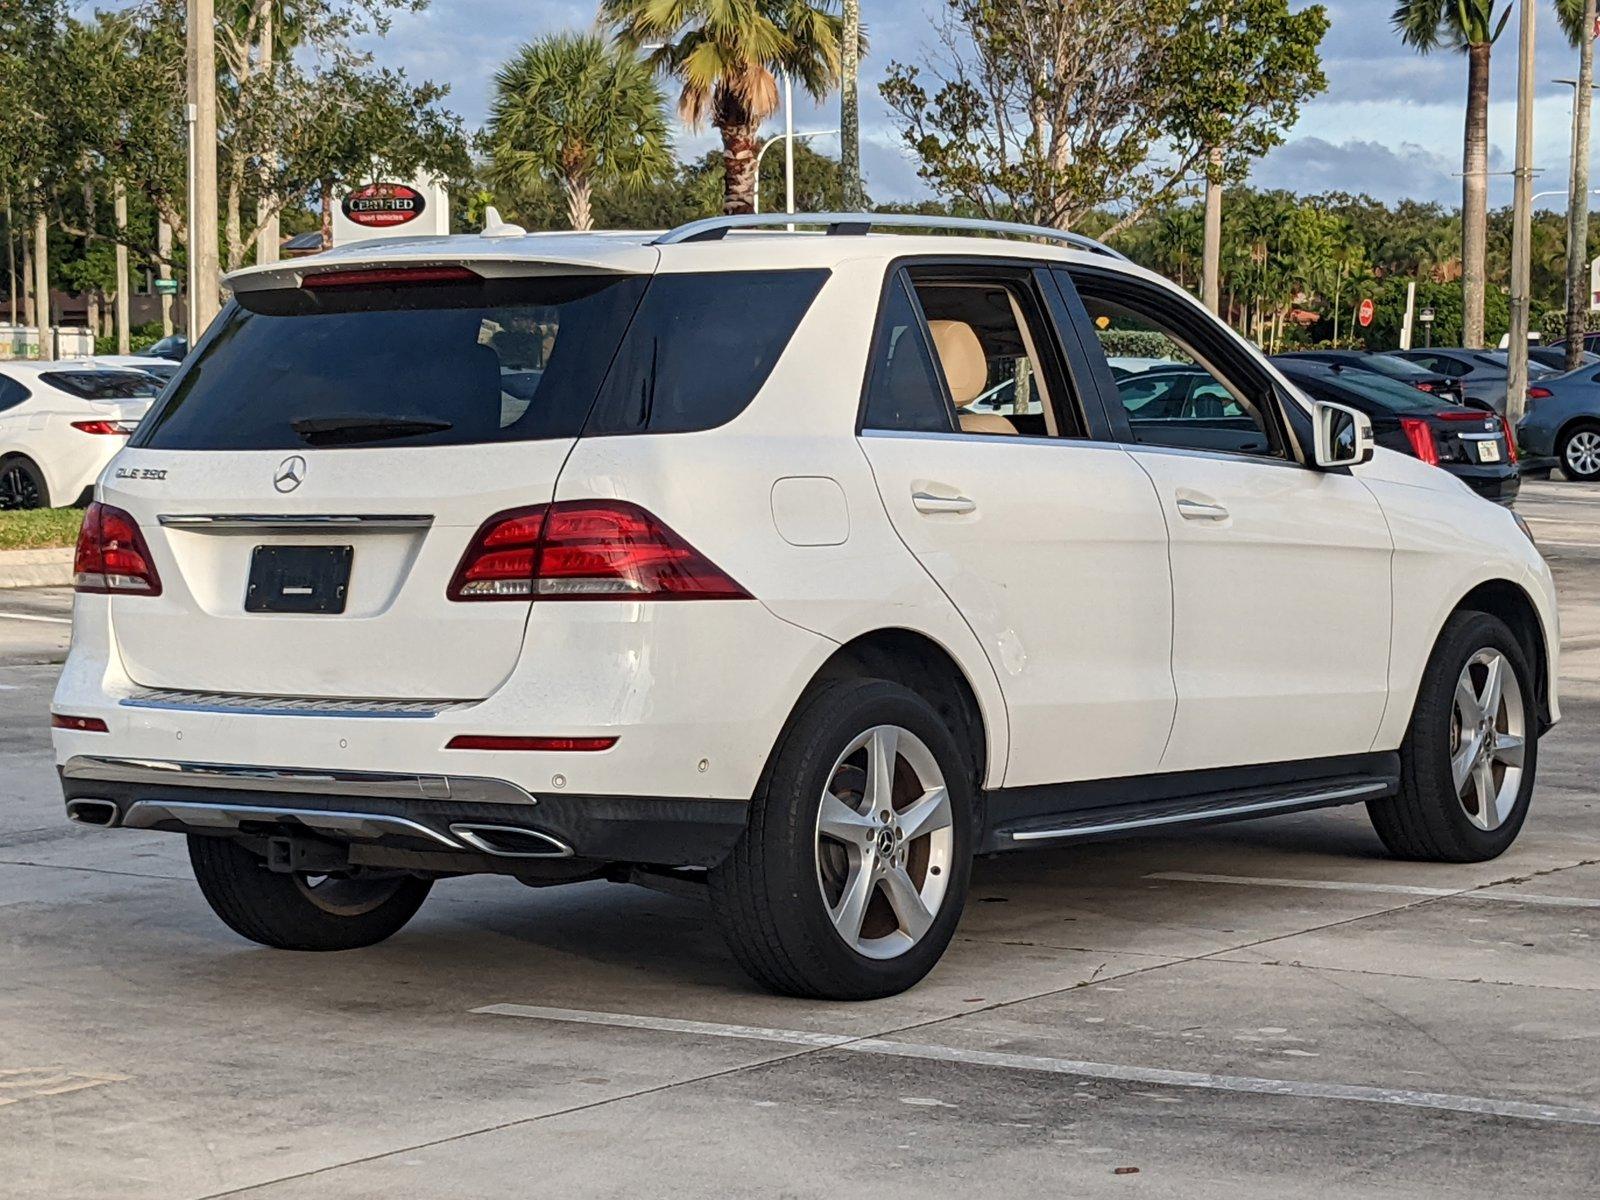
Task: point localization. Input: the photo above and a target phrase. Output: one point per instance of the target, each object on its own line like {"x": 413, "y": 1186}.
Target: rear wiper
{"x": 334, "y": 431}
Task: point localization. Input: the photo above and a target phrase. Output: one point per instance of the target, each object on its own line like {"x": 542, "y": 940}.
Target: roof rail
{"x": 714, "y": 229}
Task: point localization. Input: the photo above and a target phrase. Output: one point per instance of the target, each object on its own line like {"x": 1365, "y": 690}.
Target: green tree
{"x": 570, "y": 109}
{"x": 727, "y": 54}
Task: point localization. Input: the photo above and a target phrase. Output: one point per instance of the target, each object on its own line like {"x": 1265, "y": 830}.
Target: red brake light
{"x": 586, "y": 550}
{"x": 1539, "y": 393}
{"x": 112, "y": 555}
{"x": 1462, "y": 414}
{"x": 122, "y": 427}
{"x": 1511, "y": 442}
{"x": 1420, "y": 434}
{"x": 489, "y": 741}
{"x": 1429, "y": 386}
{"x": 389, "y": 277}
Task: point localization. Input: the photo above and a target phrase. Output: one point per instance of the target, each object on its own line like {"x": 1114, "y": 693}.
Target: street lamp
{"x": 789, "y": 138}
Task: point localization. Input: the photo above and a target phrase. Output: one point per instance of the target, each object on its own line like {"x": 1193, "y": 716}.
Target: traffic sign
{"x": 1364, "y": 313}
{"x": 1426, "y": 316}
{"x": 166, "y": 287}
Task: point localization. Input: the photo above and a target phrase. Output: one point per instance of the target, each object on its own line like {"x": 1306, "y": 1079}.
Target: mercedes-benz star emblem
{"x": 290, "y": 474}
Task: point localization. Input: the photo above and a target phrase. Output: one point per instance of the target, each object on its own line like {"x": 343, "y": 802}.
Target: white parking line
{"x": 1300, "y": 1089}
{"x": 1382, "y": 889}
{"x": 10, "y": 616}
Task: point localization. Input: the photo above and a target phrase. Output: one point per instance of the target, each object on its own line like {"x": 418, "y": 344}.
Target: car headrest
{"x": 966, "y": 369}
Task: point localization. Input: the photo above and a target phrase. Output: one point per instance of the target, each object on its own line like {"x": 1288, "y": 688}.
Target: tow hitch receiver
{"x": 303, "y": 856}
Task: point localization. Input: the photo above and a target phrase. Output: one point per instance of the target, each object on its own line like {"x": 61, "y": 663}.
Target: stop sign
{"x": 1364, "y": 313}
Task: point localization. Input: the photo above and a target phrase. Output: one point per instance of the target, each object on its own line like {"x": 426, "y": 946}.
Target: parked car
{"x": 1554, "y": 358}
{"x": 60, "y": 423}
{"x": 1591, "y": 343}
{"x": 743, "y": 596}
{"x": 1481, "y": 374}
{"x": 1562, "y": 422}
{"x": 1468, "y": 442}
{"x": 162, "y": 368}
{"x": 1431, "y": 382}
{"x": 173, "y": 347}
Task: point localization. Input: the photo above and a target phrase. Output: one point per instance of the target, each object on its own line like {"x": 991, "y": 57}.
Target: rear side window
{"x": 103, "y": 385}
{"x": 12, "y": 393}
{"x": 904, "y": 391}
{"x": 425, "y": 364}
{"x": 700, "y": 348}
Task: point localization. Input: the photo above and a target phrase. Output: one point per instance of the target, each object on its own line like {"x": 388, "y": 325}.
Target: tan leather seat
{"x": 966, "y": 371}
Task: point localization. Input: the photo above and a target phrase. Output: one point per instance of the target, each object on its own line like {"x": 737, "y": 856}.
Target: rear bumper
{"x": 455, "y": 820}
{"x": 1500, "y": 484}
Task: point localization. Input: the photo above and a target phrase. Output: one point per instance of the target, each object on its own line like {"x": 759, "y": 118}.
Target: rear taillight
{"x": 1461, "y": 414}
{"x": 1539, "y": 393}
{"x": 112, "y": 555}
{"x": 122, "y": 427}
{"x": 1430, "y": 387}
{"x": 1511, "y": 442}
{"x": 586, "y": 550}
{"x": 1420, "y": 434}
{"x": 385, "y": 277}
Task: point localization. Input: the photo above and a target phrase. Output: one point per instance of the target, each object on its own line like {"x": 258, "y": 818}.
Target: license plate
{"x": 1488, "y": 451}
{"x": 298, "y": 579}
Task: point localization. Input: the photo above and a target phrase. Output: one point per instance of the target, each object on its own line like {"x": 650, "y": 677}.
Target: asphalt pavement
{"x": 1262, "y": 1009}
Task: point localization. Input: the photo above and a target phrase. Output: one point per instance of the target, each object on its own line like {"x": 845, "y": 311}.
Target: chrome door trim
{"x": 151, "y": 772}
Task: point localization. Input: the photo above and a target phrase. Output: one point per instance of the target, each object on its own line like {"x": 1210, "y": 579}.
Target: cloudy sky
{"x": 1389, "y": 123}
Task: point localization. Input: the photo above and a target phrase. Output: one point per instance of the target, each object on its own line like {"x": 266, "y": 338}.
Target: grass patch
{"x": 37, "y": 528}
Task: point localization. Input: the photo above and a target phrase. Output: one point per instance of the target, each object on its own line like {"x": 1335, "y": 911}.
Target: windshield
{"x": 1389, "y": 394}
{"x": 103, "y": 385}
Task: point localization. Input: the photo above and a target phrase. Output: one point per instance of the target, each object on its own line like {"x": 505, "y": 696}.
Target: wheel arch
{"x": 1511, "y": 603}
{"x": 7, "y": 457}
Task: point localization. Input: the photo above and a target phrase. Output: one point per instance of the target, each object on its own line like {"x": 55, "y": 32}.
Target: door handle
{"x": 926, "y": 503}
{"x": 1199, "y": 510}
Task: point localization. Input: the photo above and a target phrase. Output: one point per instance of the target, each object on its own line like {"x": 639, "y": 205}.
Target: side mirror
{"x": 1343, "y": 436}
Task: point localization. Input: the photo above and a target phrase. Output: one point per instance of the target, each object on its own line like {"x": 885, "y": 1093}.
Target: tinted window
{"x": 903, "y": 391}
{"x": 438, "y": 364}
{"x": 700, "y": 349}
{"x": 12, "y": 393}
{"x": 103, "y": 385}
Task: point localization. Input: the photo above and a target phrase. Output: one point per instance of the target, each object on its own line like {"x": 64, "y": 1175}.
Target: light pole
{"x": 1578, "y": 298}
{"x": 789, "y": 164}
{"x": 1521, "y": 221}
{"x": 204, "y": 269}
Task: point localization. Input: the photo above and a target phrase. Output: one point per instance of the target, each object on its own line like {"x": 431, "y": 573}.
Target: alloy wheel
{"x": 1488, "y": 737}
{"x": 18, "y": 488}
{"x": 1583, "y": 453}
{"x": 884, "y": 841}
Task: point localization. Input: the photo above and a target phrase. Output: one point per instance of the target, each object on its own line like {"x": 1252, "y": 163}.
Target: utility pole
{"x": 164, "y": 271}
{"x": 41, "y": 280}
{"x": 268, "y": 237}
{"x": 204, "y": 269}
{"x": 850, "y": 110}
{"x": 1211, "y": 250}
{"x": 1522, "y": 222}
{"x": 119, "y": 207}
{"x": 11, "y": 260}
{"x": 1578, "y": 298}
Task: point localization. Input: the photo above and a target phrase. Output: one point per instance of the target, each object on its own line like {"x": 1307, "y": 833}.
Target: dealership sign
{"x": 383, "y": 205}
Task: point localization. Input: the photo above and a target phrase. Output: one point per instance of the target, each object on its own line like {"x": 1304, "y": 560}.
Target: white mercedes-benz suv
{"x": 688, "y": 559}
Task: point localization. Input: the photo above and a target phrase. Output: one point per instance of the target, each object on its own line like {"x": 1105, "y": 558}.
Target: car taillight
{"x": 1539, "y": 393}
{"x": 586, "y": 550}
{"x": 1420, "y": 434}
{"x": 122, "y": 427}
{"x": 112, "y": 555}
{"x": 1461, "y": 414}
{"x": 1430, "y": 387}
{"x": 1511, "y": 442}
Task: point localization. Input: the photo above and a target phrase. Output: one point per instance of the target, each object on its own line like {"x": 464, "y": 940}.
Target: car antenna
{"x": 495, "y": 227}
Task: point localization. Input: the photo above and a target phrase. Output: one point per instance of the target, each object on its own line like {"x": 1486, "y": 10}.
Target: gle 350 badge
{"x": 141, "y": 473}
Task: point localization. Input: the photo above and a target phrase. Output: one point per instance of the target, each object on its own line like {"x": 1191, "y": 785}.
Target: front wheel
{"x": 1467, "y": 763}
{"x": 300, "y": 911}
{"x": 849, "y": 879}
{"x": 1580, "y": 453}
{"x": 22, "y": 485}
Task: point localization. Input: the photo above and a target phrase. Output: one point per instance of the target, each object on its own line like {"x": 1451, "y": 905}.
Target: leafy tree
{"x": 570, "y": 109}
{"x": 1044, "y": 112}
{"x": 727, "y": 54}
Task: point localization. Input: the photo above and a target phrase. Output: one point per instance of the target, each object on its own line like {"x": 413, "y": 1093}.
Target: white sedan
{"x": 60, "y": 423}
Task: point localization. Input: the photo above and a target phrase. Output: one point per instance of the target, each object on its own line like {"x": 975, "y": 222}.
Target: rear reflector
{"x": 1539, "y": 393}
{"x": 81, "y": 724}
{"x": 1420, "y": 434}
{"x": 380, "y": 277}
{"x": 122, "y": 427}
{"x": 586, "y": 550}
{"x": 487, "y": 741}
{"x": 112, "y": 555}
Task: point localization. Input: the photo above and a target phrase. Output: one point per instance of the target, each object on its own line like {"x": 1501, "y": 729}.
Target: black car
{"x": 1468, "y": 442}
{"x": 174, "y": 346}
{"x": 1385, "y": 365}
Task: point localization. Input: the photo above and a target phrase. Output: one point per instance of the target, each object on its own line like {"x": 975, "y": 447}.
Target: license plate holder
{"x": 1489, "y": 451}
{"x": 299, "y": 579}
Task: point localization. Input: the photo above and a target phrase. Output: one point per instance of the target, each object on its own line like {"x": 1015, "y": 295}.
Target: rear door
{"x": 1280, "y": 572}
{"x": 1044, "y": 534}
{"x": 310, "y": 481}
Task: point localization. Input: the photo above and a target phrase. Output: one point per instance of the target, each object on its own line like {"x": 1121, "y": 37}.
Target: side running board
{"x": 1110, "y": 821}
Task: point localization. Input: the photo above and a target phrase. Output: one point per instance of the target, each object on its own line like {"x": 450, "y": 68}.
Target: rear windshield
{"x": 103, "y": 385}
{"x": 1378, "y": 391}
{"x": 486, "y": 361}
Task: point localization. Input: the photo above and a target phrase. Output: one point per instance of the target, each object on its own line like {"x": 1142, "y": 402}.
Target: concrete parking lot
{"x": 1257, "y": 1010}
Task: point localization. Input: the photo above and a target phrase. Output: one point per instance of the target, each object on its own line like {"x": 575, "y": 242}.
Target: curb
{"x": 36, "y": 568}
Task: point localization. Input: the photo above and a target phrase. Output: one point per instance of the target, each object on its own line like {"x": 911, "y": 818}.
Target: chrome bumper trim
{"x": 295, "y": 522}
{"x": 466, "y": 789}
{"x": 244, "y": 704}
{"x": 146, "y": 814}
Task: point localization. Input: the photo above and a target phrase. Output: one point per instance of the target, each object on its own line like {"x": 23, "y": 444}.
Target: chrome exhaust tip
{"x": 510, "y": 841}
{"x": 102, "y": 814}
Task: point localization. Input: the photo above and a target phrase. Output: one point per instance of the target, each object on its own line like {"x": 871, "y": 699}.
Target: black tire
{"x": 767, "y": 895}
{"x": 1587, "y": 471}
{"x": 1427, "y": 821}
{"x": 22, "y": 484}
{"x": 283, "y": 911}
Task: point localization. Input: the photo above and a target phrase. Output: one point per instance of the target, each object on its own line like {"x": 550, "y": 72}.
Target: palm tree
{"x": 1469, "y": 26}
{"x": 726, "y": 54}
{"x": 571, "y": 109}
